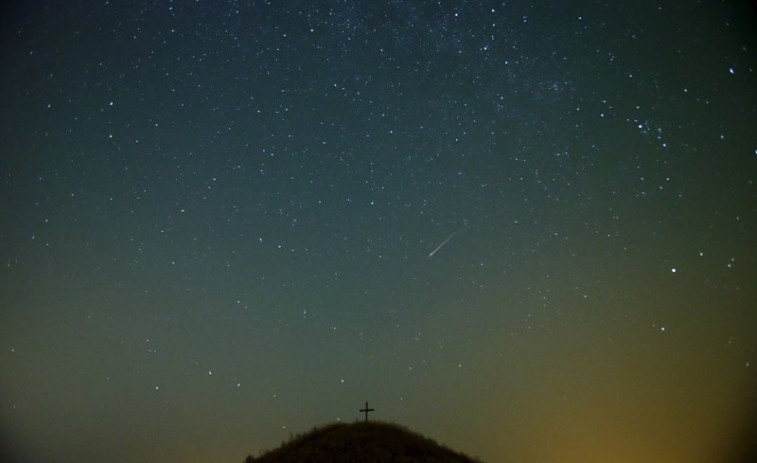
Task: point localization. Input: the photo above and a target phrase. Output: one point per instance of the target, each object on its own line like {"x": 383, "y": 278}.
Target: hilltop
{"x": 371, "y": 442}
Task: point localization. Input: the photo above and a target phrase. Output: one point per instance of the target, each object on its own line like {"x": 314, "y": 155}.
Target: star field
{"x": 526, "y": 231}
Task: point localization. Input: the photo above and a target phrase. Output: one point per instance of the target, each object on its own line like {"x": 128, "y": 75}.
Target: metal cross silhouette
{"x": 366, "y": 410}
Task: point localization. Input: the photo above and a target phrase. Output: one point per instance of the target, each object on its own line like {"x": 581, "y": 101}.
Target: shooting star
{"x": 431, "y": 254}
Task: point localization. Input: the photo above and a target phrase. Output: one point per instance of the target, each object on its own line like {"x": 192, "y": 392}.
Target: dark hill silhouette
{"x": 371, "y": 442}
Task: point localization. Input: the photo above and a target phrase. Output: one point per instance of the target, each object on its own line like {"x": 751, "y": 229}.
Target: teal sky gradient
{"x": 217, "y": 220}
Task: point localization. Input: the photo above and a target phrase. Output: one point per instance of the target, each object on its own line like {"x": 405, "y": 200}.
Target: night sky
{"x": 526, "y": 231}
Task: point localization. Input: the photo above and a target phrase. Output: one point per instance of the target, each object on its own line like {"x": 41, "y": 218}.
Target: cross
{"x": 366, "y": 410}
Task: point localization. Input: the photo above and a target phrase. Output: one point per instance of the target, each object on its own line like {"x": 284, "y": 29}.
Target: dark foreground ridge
{"x": 372, "y": 442}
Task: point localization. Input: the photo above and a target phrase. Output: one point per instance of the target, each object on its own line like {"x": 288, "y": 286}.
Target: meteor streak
{"x": 430, "y": 254}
